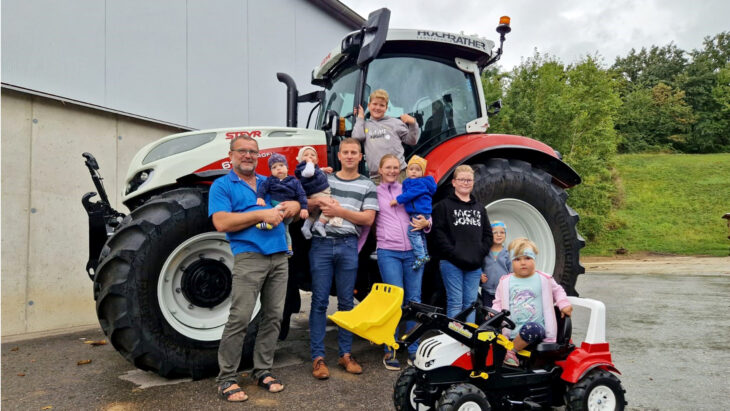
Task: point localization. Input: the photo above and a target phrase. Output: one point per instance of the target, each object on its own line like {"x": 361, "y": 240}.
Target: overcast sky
{"x": 563, "y": 28}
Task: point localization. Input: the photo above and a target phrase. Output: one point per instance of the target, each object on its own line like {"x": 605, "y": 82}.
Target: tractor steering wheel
{"x": 502, "y": 316}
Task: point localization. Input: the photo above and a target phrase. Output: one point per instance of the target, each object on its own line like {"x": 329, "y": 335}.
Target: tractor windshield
{"x": 441, "y": 97}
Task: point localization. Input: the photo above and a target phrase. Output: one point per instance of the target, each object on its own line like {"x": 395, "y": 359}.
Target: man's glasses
{"x": 464, "y": 180}
{"x": 243, "y": 151}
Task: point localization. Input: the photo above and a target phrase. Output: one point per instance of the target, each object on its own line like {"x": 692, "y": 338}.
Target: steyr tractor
{"x": 162, "y": 273}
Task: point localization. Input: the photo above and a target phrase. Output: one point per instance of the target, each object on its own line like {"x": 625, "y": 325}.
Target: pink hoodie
{"x": 392, "y": 223}
{"x": 552, "y": 294}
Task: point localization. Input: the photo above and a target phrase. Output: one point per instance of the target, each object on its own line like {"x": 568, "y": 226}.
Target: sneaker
{"x": 511, "y": 359}
{"x": 319, "y": 369}
{"x": 349, "y": 364}
{"x": 390, "y": 361}
{"x": 264, "y": 226}
{"x": 289, "y": 253}
{"x": 420, "y": 262}
{"x": 411, "y": 358}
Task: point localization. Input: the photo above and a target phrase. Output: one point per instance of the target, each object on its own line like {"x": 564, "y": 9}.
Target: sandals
{"x": 226, "y": 395}
{"x": 267, "y": 385}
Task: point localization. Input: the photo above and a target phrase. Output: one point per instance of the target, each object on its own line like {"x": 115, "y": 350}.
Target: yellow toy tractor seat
{"x": 376, "y": 317}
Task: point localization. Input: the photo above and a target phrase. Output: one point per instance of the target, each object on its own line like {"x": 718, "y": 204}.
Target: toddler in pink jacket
{"x": 529, "y": 295}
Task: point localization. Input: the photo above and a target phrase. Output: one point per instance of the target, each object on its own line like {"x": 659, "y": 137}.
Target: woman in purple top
{"x": 395, "y": 254}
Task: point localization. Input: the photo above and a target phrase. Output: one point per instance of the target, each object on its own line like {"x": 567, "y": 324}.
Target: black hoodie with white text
{"x": 462, "y": 232}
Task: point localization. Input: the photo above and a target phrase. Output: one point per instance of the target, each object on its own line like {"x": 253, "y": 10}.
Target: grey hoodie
{"x": 384, "y": 136}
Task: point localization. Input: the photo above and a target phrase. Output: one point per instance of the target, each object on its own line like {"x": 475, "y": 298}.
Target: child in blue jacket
{"x": 496, "y": 264}
{"x": 281, "y": 187}
{"x": 418, "y": 191}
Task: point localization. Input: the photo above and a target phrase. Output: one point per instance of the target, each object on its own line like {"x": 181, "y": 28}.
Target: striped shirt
{"x": 355, "y": 195}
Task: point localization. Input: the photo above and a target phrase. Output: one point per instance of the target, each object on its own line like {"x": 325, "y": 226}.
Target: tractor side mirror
{"x": 373, "y": 35}
{"x": 494, "y": 108}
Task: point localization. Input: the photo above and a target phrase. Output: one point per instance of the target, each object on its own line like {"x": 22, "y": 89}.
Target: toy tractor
{"x": 161, "y": 272}
{"x": 461, "y": 366}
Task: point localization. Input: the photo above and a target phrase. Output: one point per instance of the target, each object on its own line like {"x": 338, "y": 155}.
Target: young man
{"x": 260, "y": 267}
{"x": 355, "y": 200}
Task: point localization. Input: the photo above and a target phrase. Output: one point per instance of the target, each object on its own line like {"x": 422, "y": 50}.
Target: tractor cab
{"x": 431, "y": 75}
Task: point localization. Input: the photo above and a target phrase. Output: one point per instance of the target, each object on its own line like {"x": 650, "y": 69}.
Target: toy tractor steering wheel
{"x": 502, "y": 316}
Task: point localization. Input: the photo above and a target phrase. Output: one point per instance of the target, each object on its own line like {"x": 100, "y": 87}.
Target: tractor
{"x": 161, "y": 273}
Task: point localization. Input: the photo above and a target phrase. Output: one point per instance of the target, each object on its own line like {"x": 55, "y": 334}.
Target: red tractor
{"x": 162, "y": 273}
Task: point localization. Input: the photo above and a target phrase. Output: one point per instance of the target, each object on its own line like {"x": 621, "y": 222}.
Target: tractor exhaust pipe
{"x": 292, "y": 96}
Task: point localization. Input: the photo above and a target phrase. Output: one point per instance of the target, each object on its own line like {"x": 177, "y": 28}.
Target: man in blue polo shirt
{"x": 260, "y": 267}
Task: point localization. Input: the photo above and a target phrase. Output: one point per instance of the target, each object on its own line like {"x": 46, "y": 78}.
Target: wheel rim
{"x": 412, "y": 397}
{"x": 524, "y": 220}
{"x": 601, "y": 398}
{"x": 193, "y": 289}
{"x": 470, "y": 406}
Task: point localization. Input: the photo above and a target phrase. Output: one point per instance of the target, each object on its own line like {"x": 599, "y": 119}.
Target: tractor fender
{"x": 584, "y": 359}
{"x": 471, "y": 148}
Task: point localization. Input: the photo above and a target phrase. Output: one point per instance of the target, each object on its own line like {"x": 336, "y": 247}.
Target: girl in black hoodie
{"x": 463, "y": 236}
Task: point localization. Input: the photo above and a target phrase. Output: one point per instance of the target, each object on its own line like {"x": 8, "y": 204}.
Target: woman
{"x": 395, "y": 254}
{"x": 463, "y": 237}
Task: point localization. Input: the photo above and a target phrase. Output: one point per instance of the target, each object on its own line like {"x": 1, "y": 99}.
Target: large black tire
{"x": 532, "y": 206}
{"x": 597, "y": 390}
{"x": 463, "y": 395}
{"x": 403, "y": 390}
{"x": 128, "y": 283}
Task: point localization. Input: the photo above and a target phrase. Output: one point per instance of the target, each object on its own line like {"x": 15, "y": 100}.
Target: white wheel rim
{"x": 470, "y": 406}
{"x": 524, "y": 220}
{"x": 197, "y": 323}
{"x": 416, "y": 406}
{"x": 601, "y": 398}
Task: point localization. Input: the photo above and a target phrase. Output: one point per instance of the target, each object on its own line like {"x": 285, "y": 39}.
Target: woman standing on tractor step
{"x": 463, "y": 236}
{"x": 395, "y": 253}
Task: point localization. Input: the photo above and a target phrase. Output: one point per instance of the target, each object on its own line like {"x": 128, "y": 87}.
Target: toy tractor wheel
{"x": 403, "y": 392}
{"x": 163, "y": 287}
{"x": 531, "y": 206}
{"x": 598, "y": 390}
{"x": 463, "y": 397}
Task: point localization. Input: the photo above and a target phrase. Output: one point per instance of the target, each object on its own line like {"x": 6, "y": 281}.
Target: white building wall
{"x": 194, "y": 63}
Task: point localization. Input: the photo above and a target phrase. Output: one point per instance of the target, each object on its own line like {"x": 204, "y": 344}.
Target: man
{"x": 335, "y": 255}
{"x": 260, "y": 267}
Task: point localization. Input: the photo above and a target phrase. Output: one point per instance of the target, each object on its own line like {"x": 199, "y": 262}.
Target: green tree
{"x": 647, "y": 68}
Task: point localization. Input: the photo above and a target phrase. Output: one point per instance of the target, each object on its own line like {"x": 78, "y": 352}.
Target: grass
{"x": 671, "y": 203}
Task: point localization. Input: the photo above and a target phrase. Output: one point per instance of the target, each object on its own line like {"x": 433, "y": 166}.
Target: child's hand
{"x": 359, "y": 112}
{"x": 393, "y": 203}
{"x": 304, "y": 214}
{"x": 407, "y": 119}
{"x": 566, "y": 311}
{"x": 327, "y": 170}
{"x": 260, "y": 201}
{"x": 484, "y": 278}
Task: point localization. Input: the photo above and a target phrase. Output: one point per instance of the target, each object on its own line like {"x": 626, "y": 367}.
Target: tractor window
{"x": 340, "y": 96}
{"x": 441, "y": 97}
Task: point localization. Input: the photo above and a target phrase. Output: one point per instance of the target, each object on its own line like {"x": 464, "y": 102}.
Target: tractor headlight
{"x": 178, "y": 145}
{"x": 137, "y": 181}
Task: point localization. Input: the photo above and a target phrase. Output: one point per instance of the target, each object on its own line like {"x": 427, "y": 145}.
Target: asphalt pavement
{"x": 669, "y": 335}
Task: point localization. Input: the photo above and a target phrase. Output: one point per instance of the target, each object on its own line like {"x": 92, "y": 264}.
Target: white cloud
{"x": 567, "y": 29}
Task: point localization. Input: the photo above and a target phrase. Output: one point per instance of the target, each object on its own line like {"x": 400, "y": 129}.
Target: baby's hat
{"x": 420, "y": 161}
{"x": 276, "y": 158}
{"x": 302, "y": 150}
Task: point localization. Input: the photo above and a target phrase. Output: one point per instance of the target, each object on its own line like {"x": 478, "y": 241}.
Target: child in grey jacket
{"x": 382, "y": 134}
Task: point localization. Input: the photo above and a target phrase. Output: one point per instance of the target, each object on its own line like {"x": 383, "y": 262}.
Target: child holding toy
{"x": 315, "y": 184}
{"x": 496, "y": 264}
{"x": 281, "y": 187}
{"x": 382, "y": 134}
{"x": 418, "y": 191}
{"x": 529, "y": 295}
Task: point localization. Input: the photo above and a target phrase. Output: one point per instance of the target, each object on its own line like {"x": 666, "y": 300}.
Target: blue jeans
{"x": 396, "y": 268}
{"x": 461, "y": 286}
{"x": 418, "y": 238}
{"x": 331, "y": 257}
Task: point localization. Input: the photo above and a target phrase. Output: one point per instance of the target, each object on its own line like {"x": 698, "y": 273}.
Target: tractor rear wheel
{"x": 530, "y": 205}
{"x": 163, "y": 286}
